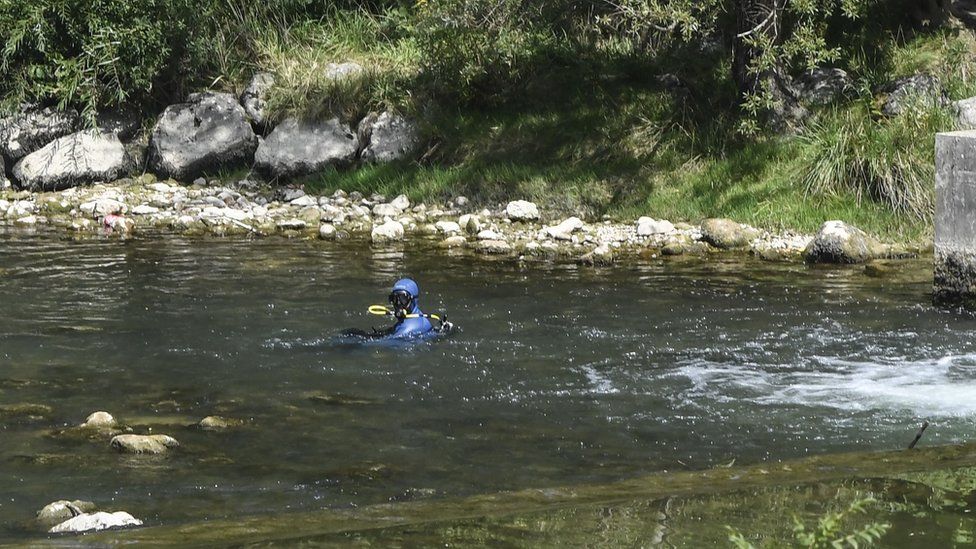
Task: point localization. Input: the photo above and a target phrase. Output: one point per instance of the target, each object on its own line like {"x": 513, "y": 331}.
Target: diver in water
{"x": 411, "y": 322}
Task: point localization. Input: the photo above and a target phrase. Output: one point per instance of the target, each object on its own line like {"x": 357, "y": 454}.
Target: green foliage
{"x": 887, "y": 160}
{"x": 94, "y": 53}
{"x": 828, "y": 532}
{"x": 481, "y": 51}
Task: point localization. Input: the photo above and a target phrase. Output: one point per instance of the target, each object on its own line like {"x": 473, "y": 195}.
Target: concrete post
{"x": 955, "y": 214}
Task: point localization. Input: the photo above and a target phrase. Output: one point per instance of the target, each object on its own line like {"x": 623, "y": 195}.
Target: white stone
{"x": 401, "y": 202}
{"x": 390, "y": 231}
{"x": 386, "y": 210}
{"x": 303, "y": 201}
{"x": 522, "y": 210}
{"x": 647, "y": 226}
{"x": 82, "y": 157}
{"x": 103, "y": 206}
{"x": 88, "y": 522}
{"x": 489, "y": 234}
{"x": 99, "y": 420}
{"x": 162, "y": 188}
{"x": 448, "y": 227}
{"x": 144, "y": 209}
{"x": 565, "y": 229}
{"x": 20, "y": 208}
{"x": 327, "y": 232}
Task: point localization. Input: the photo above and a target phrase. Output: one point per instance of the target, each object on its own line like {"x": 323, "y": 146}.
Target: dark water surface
{"x": 561, "y": 375}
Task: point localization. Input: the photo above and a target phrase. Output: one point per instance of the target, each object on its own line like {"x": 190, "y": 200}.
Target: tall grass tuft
{"x": 888, "y": 160}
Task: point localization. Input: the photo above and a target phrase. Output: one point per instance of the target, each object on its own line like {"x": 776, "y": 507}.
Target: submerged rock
{"x": 59, "y": 511}
{"x": 838, "y": 242}
{"x": 218, "y": 423}
{"x": 90, "y": 522}
{"x": 79, "y": 158}
{"x": 143, "y": 444}
{"x": 601, "y": 255}
{"x": 26, "y": 132}
{"x": 99, "y": 420}
{"x": 25, "y": 411}
{"x": 727, "y": 234}
{"x": 210, "y": 131}
{"x": 297, "y": 148}
{"x": 338, "y": 399}
{"x": 388, "y": 137}
{"x": 522, "y": 210}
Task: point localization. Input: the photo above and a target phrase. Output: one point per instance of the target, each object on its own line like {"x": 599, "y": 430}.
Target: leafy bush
{"x": 480, "y": 51}
{"x": 95, "y": 53}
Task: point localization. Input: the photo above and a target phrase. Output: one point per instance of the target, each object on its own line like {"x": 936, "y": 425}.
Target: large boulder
{"x": 143, "y": 444}
{"x": 83, "y": 157}
{"x": 727, "y": 234}
{"x": 298, "y": 148}
{"x": 387, "y": 137}
{"x": 25, "y": 132}
{"x": 4, "y": 182}
{"x": 255, "y": 98}
{"x": 918, "y": 89}
{"x": 822, "y": 86}
{"x": 208, "y": 132}
{"x": 838, "y": 242}
{"x": 90, "y": 522}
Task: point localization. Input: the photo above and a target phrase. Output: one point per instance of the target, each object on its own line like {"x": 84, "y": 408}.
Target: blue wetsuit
{"x": 411, "y": 327}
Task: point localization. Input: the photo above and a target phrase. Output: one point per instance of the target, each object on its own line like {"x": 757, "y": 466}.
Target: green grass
{"x": 600, "y": 135}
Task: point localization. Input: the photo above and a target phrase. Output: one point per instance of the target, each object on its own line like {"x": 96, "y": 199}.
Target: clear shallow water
{"x": 560, "y": 375}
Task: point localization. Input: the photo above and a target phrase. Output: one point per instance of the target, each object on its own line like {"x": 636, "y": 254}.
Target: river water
{"x": 559, "y": 375}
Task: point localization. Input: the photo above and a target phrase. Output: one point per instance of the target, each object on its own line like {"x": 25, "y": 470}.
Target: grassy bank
{"x": 564, "y": 112}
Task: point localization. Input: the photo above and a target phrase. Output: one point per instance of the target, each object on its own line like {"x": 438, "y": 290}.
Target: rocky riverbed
{"x": 519, "y": 229}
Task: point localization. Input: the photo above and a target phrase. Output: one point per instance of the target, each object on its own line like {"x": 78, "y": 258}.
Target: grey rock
{"x": 298, "y": 148}
{"x": 218, "y": 423}
{"x": 208, "y": 132}
{"x": 124, "y": 123}
{"x": 564, "y": 230}
{"x": 99, "y": 420}
{"x": 387, "y": 137}
{"x": 522, "y": 210}
{"x": 386, "y": 210}
{"x": 340, "y": 72}
{"x": 255, "y": 98}
{"x": 493, "y": 247}
{"x": 59, "y": 511}
{"x": 965, "y": 113}
{"x": 143, "y": 444}
{"x": 72, "y": 160}
{"x": 922, "y": 89}
{"x": 391, "y": 231}
{"x": 91, "y": 522}
{"x": 25, "y": 132}
{"x": 727, "y": 234}
{"x": 327, "y": 232}
{"x": 4, "y": 182}
{"x": 822, "y": 86}
{"x": 838, "y": 242}
{"x": 601, "y": 255}
{"x": 647, "y": 226}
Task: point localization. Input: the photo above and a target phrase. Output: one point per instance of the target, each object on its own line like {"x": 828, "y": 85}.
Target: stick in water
{"x": 918, "y": 435}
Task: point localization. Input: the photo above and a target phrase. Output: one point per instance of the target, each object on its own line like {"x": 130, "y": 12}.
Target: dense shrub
{"x": 94, "y": 53}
